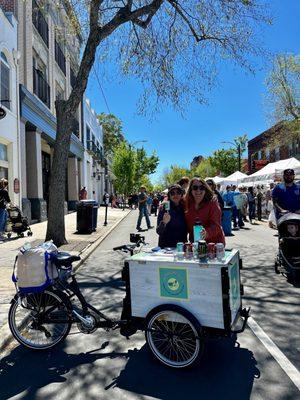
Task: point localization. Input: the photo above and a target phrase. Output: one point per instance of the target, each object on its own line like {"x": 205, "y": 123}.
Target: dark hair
{"x": 212, "y": 182}
{"x": 3, "y": 183}
{"x": 183, "y": 180}
{"x": 174, "y": 187}
{"x": 209, "y": 194}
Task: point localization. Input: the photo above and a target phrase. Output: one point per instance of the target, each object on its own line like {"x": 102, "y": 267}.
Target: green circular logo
{"x": 173, "y": 284}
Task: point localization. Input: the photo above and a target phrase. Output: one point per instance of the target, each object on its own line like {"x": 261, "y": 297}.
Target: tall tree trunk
{"x": 56, "y": 215}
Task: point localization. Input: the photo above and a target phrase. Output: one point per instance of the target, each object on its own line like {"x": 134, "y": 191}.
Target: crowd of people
{"x": 202, "y": 201}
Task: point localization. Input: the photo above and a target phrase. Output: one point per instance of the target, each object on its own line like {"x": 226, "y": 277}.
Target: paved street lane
{"x": 105, "y": 365}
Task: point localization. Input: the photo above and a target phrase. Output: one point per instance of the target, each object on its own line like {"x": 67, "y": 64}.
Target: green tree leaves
{"x": 131, "y": 167}
{"x": 112, "y": 132}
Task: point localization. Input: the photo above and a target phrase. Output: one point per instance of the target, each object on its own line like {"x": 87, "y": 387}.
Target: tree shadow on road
{"x": 26, "y": 372}
{"x": 226, "y": 371}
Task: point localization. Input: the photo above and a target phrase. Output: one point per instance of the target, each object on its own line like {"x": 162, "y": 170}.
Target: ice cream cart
{"x": 179, "y": 303}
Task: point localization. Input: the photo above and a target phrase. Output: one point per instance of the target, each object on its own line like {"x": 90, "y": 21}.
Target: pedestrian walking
{"x": 239, "y": 203}
{"x": 155, "y": 205}
{"x": 83, "y": 193}
{"x": 259, "y": 201}
{"x": 286, "y": 195}
{"x": 143, "y": 211}
{"x": 4, "y": 200}
{"x": 251, "y": 204}
{"x": 149, "y": 203}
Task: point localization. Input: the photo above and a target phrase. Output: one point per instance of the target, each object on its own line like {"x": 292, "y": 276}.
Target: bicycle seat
{"x": 63, "y": 259}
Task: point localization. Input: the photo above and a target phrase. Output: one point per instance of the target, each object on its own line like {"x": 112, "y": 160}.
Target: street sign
{"x": 2, "y": 113}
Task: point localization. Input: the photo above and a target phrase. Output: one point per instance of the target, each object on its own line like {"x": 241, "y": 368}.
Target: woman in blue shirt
{"x": 171, "y": 226}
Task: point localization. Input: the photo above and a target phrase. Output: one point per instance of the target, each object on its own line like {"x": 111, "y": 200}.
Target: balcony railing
{"x": 40, "y": 23}
{"x": 41, "y": 87}
{"x": 60, "y": 57}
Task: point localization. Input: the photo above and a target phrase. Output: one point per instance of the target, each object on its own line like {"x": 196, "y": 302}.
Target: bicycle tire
{"x": 26, "y": 314}
{"x": 176, "y": 344}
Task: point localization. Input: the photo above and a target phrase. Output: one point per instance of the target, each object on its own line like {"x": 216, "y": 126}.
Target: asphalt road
{"x": 105, "y": 365}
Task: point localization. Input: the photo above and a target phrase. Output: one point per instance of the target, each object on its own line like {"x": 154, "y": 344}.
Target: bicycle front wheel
{"x": 30, "y": 319}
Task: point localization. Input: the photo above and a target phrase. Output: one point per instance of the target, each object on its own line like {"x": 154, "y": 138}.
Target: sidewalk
{"x": 77, "y": 244}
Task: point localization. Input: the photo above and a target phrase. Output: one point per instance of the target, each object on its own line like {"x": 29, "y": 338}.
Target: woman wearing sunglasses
{"x": 202, "y": 205}
{"x": 171, "y": 225}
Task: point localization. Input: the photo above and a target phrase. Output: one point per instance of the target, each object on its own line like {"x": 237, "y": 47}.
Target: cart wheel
{"x": 174, "y": 336}
{"x": 29, "y": 233}
{"x": 21, "y": 234}
{"x": 9, "y": 235}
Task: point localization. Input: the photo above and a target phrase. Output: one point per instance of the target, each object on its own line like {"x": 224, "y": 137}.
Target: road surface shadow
{"x": 24, "y": 371}
{"x": 226, "y": 371}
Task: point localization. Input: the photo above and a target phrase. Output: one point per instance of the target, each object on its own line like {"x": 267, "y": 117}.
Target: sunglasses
{"x": 174, "y": 192}
{"x": 198, "y": 187}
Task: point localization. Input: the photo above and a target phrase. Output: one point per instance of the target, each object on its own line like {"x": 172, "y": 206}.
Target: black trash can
{"x": 87, "y": 214}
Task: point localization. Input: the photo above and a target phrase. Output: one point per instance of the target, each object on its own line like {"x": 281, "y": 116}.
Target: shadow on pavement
{"x": 226, "y": 371}
{"x": 25, "y": 371}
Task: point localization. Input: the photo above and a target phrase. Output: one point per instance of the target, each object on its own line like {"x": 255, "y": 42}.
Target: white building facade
{"x": 93, "y": 171}
{"x": 49, "y": 60}
{"x": 9, "y": 102}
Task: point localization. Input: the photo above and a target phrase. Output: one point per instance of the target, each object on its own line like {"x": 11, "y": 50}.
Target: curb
{"x": 6, "y": 337}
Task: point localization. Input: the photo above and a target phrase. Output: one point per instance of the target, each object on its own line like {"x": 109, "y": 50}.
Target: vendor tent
{"x": 216, "y": 179}
{"x": 233, "y": 179}
{"x": 269, "y": 173}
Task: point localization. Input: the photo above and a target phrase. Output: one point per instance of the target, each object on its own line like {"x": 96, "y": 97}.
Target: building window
{"x": 277, "y": 154}
{"x": 4, "y": 82}
{"x": 259, "y": 155}
{"x": 267, "y": 154}
{"x": 88, "y": 138}
{"x": 3, "y": 161}
{"x": 60, "y": 57}
{"x": 40, "y": 22}
{"x": 3, "y": 152}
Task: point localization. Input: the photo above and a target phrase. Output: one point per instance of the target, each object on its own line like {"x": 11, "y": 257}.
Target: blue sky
{"x": 235, "y": 105}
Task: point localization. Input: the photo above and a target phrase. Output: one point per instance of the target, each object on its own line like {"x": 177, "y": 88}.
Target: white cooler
{"x": 210, "y": 290}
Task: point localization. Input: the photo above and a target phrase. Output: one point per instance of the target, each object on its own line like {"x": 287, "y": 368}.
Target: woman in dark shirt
{"x": 171, "y": 226}
{"x": 213, "y": 187}
{"x": 4, "y": 200}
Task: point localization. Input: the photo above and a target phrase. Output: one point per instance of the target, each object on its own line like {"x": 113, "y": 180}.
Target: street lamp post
{"x": 238, "y": 147}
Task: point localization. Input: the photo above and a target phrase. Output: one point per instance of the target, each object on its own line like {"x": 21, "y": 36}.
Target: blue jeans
{"x": 3, "y": 218}
{"x": 143, "y": 212}
{"x": 251, "y": 210}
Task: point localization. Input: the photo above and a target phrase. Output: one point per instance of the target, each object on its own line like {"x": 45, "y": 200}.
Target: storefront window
{"x": 3, "y": 152}
{"x": 3, "y": 173}
{"x": 4, "y": 81}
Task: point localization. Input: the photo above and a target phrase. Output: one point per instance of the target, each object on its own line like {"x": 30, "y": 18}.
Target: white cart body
{"x": 209, "y": 290}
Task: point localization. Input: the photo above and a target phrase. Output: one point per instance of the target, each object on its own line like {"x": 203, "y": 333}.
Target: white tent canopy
{"x": 268, "y": 173}
{"x": 233, "y": 179}
{"x": 216, "y": 179}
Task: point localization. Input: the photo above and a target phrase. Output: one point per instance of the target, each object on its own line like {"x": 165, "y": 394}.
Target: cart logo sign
{"x": 234, "y": 287}
{"x": 173, "y": 283}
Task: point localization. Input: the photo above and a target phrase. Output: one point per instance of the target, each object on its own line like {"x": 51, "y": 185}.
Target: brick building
{"x": 259, "y": 154}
